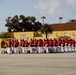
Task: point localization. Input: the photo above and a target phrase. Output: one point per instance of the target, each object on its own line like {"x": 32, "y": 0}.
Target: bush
{"x": 4, "y": 35}
{"x": 36, "y": 34}
{"x": 64, "y": 37}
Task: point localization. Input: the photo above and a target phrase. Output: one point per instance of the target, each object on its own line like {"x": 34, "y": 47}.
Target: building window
{"x": 65, "y": 34}
{"x": 74, "y": 33}
{"x": 49, "y": 35}
{"x": 36, "y": 34}
{"x": 57, "y": 35}
{"x": 22, "y": 36}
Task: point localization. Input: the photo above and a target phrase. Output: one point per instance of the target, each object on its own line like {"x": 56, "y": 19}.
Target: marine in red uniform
{"x": 62, "y": 45}
{"x": 62, "y": 42}
{"x": 31, "y": 42}
{"x": 35, "y": 43}
{"x": 35, "y": 48}
{"x": 65, "y": 42}
{"x": 50, "y": 42}
{"x": 31, "y": 45}
{"x": 47, "y": 45}
{"x": 23, "y": 46}
{"x": 8, "y": 46}
{"x": 15, "y": 46}
{"x": 66, "y": 45}
{"x": 54, "y": 44}
{"x": 20, "y": 43}
{"x": 40, "y": 44}
{"x": 70, "y": 45}
{"x": 26, "y": 45}
{"x": 73, "y": 45}
{"x": 58, "y": 44}
{"x": 44, "y": 42}
{"x": 12, "y": 44}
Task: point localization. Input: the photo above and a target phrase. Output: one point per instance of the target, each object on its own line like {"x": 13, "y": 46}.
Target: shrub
{"x": 36, "y": 34}
{"x": 64, "y": 37}
{"x": 4, "y": 35}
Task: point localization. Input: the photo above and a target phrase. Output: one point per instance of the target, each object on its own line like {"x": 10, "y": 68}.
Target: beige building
{"x": 62, "y": 29}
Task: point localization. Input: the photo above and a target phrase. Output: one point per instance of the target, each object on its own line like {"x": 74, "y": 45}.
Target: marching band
{"x": 47, "y": 45}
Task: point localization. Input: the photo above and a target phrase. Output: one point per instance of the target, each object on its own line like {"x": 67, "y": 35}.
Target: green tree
{"x": 8, "y": 24}
{"x": 12, "y": 23}
{"x": 22, "y": 23}
{"x": 37, "y": 26}
{"x": 22, "y": 18}
{"x": 33, "y": 19}
{"x": 15, "y": 23}
{"x": 46, "y": 28}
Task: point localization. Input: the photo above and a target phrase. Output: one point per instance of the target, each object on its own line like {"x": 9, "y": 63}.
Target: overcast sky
{"x": 51, "y": 9}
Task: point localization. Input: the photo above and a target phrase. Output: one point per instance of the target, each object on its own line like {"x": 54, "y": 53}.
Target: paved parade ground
{"x": 38, "y": 64}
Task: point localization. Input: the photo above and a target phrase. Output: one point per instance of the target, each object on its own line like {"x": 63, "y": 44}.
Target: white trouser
{"x": 23, "y": 49}
{"x": 73, "y": 48}
{"x": 54, "y": 47}
{"x": 36, "y": 48}
{"x": 12, "y": 48}
{"x": 62, "y": 48}
{"x": 30, "y": 49}
{"x": 39, "y": 49}
{"x": 15, "y": 49}
{"x": 58, "y": 49}
{"x": 66, "y": 48}
{"x": 49, "y": 48}
{"x": 46, "y": 49}
{"x": 8, "y": 49}
{"x": 69, "y": 48}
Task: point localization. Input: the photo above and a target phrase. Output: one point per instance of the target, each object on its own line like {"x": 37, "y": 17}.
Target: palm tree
{"x": 43, "y": 17}
{"x": 46, "y": 28}
{"x": 60, "y": 18}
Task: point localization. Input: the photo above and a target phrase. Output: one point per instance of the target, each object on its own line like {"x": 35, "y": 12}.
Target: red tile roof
{"x": 10, "y": 34}
{"x": 64, "y": 26}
